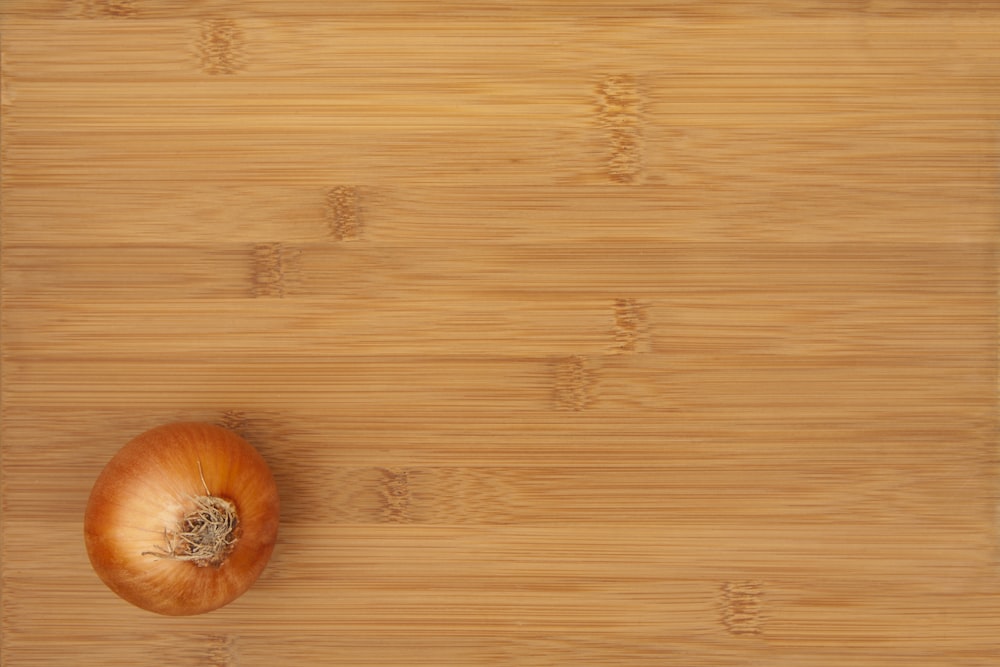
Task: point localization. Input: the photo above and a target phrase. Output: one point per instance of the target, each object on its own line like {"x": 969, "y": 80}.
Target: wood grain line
{"x": 234, "y": 420}
{"x": 274, "y": 267}
{"x": 395, "y": 491}
{"x": 573, "y": 385}
{"x": 343, "y": 212}
{"x": 221, "y": 47}
{"x": 107, "y": 9}
{"x": 620, "y": 115}
{"x": 663, "y": 495}
{"x": 222, "y": 650}
{"x": 6, "y": 87}
{"x": 487, "y": 10}
{"x": 631, "y": 331}
{"x": 742, "y": 607}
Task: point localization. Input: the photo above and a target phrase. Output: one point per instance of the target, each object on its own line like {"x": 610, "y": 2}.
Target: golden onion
{"x": 183, "y": 519}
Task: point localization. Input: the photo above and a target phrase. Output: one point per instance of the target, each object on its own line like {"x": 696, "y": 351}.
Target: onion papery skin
{"x": 145, "y": 491}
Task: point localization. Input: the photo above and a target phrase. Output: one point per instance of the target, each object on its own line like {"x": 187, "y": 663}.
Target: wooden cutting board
{"x": 639, "y": 333}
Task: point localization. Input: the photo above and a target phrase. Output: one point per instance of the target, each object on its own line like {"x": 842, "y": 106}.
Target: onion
{"x": 183, "y": 519}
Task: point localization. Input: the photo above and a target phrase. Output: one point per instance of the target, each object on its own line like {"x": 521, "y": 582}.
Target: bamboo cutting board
{"x": 640, "y": 333}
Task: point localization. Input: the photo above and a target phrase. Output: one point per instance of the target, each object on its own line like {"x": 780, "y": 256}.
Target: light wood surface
{"x": 620, "y": 334}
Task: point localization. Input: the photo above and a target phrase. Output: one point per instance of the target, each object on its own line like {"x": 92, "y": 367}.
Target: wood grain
{"x": 661, "y": 333}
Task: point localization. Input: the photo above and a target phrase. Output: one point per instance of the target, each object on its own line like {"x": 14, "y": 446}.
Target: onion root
{"x": 206, "y": 535}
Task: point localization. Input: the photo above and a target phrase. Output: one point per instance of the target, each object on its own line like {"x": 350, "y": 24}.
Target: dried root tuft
{"x": 206, "y": 536}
